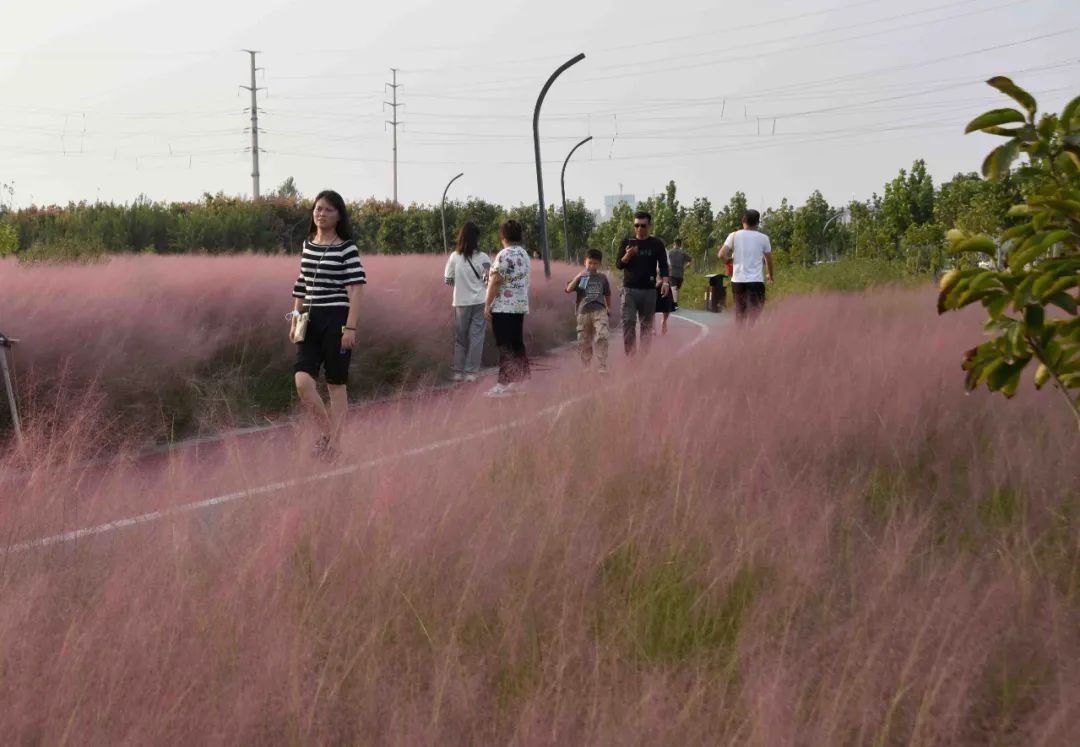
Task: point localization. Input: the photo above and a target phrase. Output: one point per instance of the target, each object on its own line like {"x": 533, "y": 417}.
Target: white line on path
{"x": 275, "y": 487}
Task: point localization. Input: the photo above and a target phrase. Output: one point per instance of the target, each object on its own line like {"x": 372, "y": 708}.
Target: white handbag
{"x": 298, "y": 331}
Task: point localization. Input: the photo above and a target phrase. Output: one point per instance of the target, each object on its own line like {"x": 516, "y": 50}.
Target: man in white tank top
{"x": 751, "y": 252}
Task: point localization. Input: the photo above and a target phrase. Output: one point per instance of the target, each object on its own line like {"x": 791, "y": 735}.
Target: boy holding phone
{"x": 593, "y": 307}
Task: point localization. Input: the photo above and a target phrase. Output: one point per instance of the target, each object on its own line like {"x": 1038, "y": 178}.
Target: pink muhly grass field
{"x": 805, "y": 534}
{"x": 172, "y": 346}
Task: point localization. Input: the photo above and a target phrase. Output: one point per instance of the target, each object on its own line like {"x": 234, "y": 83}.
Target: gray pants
{"x": 637, "y": 303}
{"x": 468, "y": 338}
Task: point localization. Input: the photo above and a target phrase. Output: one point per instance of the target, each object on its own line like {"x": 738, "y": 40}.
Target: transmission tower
{"x": 254, "y": 124}
{"x": 393, "y": 104}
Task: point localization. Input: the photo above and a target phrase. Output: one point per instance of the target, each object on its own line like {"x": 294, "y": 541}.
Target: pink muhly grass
{"x": 145, "y": 333}
{"x": 803, "y": 533}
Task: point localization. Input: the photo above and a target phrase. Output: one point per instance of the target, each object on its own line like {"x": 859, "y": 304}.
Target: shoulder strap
{"x": 317, "y": 266}
{"x": 471, "y": 266}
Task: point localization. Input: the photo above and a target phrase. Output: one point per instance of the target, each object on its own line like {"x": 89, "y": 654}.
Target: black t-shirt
{"x": 640, "y": 271}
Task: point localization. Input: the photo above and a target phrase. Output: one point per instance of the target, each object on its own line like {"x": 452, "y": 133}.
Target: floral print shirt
{"x": 513, "y": 266}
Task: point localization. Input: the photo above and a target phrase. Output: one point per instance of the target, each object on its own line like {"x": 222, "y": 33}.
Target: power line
{"x": 755, "y": 54}
{"x": 756, "y": 43}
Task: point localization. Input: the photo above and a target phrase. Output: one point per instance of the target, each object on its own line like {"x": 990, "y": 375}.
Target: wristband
{"x": 350, "y": 329}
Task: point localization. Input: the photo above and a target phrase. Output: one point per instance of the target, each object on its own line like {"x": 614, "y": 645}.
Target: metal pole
{"x": 541, "y": 206}
{"x": 828, "y": 223}
{"x": 562, "y": 182}
{"x": 394, "y": 122}
{"x": 254, "y": 126}
{"x": 5, "y": 345}
{"x": 445, "y": 241}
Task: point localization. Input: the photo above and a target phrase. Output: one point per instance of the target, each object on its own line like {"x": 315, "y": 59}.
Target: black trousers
{"x": 509, "y": 332}
{"x": 749, "y": 300}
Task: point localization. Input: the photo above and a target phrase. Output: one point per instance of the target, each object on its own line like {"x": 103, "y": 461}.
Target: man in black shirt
{"x": 642, "y": 259}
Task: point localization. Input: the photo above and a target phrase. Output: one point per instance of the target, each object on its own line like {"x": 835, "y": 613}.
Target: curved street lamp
{"x": 541, "y": 207}
{"x": 445, "y": 242}
{"x": 562, "y": 182}
{"x": 825, "y": 228}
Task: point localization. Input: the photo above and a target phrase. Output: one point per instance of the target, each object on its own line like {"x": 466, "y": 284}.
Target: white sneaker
{"x": 499, "y": 390}
{"x": 457, "y": 377}
{"x": 470, "y": 378}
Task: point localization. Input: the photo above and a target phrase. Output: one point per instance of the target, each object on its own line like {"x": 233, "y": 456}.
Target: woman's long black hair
{"x": 344, "y": 229}
{"x": 468, "y": 240}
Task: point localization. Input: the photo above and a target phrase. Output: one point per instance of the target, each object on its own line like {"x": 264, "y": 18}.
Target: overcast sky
{"x": 111, "y": 99}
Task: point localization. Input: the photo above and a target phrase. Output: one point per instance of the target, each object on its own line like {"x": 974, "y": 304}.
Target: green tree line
{"x": 906, "y": 223}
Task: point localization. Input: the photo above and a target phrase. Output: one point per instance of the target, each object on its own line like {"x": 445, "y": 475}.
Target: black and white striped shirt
{"x": 325, "y": 272}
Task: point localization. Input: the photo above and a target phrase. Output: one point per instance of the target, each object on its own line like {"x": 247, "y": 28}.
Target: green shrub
{"x": 1032, "y": 301}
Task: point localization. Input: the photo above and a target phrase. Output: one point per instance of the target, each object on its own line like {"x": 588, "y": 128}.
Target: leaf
{"x": 997, "y": 305}
{"x": 1023, "y": 258}
{"x": 983, "y": 244}
{"x": 1059, "y": 286}
{"x": 1068, "y": 207}
{"x": 1063, "y": 301}
{"x": 993, "y": 119}
{"x": 1070, "y": 112}
{"x": 1000, "y": 160}
{"x": 1042, "y": 283}
{"x": 1022, "y": 294}
{"x": 986, "y": 280}
{"x": 1021, "y": 231}
{"x": 1020, "y": 211}
{"x": 1042, "y": 375}
{"x": 1006, "y": 378}
{"x": 1016, "y": 93}
{"x": 1047, "y": 127}
{"x": 948, "y": 281}
{"x": 1034, "y": 316}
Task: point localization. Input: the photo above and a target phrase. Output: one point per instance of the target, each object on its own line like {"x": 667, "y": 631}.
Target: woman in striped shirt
{"x": 329, "y": 284}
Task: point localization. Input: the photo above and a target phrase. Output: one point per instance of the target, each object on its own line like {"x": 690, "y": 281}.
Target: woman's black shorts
{"x": 322, "y": 345}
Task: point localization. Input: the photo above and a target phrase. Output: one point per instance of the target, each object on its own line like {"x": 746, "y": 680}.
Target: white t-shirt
{"x": 513, "y": 265}
{"x": 469, "y": 287}
{"x": 750, "y": 250}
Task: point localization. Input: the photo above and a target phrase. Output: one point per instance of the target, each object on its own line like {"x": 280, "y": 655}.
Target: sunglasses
{"x": 641, "y": 225}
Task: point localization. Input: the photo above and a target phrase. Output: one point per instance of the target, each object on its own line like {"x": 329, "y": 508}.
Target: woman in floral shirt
{"x": 506, "y": 305}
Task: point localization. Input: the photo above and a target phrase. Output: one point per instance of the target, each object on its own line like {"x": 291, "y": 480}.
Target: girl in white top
{"x": 467, "y": 272}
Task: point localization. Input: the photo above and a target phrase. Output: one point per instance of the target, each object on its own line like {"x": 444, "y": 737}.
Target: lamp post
{"x": 562, "y": 182}
{"x": 825, "y": 228}
{"x": 542, "y": 208}
{"x": 445, "y": 242}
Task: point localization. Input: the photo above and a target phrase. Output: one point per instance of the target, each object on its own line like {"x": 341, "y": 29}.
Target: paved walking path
{"x": 78, "y": 505}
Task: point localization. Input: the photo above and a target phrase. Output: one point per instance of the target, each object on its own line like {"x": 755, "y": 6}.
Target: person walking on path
{"x": 506, "y": 304}
{"x": 679, "y": 259}
{"x": 329, "y": 285}
{"x": 750, "y": 252}
{"x": 643, "y": 260}
{"x": 664, "y": 305}
{"x": 467, "y": 272}
{"x": 593, "y": 308}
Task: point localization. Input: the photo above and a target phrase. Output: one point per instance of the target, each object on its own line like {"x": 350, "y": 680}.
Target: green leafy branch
{"x": 1032, "y": 301}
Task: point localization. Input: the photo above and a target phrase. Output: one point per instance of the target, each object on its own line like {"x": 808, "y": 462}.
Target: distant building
{"x": 613, "y": 201}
